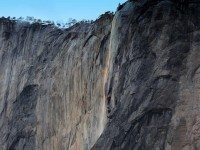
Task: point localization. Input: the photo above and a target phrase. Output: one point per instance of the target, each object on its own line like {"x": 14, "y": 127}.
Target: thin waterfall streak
{"x": 103, "y": 115}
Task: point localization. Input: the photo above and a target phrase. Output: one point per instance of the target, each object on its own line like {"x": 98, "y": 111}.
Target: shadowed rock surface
{"x": 128, "y": 81}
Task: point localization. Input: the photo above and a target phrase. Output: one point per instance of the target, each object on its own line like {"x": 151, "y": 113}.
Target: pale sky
{"x": 57, "y": 10}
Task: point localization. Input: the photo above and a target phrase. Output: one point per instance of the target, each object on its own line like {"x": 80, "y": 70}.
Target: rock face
{"x": 52, "y": 85}
{"x": 125, "y": 82}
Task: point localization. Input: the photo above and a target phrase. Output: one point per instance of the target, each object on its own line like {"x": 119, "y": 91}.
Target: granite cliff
{"x": 128, "y": 81}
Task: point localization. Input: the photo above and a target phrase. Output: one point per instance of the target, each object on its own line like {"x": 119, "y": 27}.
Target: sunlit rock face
{"x": 125, "y": 82}
{"x": 52, "y": 85}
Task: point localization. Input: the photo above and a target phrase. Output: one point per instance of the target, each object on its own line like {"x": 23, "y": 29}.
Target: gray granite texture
{"x": 125, "y": 82}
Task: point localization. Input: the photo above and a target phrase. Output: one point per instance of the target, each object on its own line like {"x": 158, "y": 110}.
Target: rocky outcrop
{"x": 52, "y": 84}
{"x": 125, "y": 82}
{"x": 153, "y": 78}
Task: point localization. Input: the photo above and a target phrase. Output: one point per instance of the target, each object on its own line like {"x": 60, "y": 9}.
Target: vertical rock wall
{"x": 128, "y": 82}
{"x": 153, "y": 79}
{"x": 52, "y": 85}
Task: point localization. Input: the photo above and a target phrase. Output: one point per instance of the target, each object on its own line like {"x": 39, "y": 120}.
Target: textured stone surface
{"x": 52, "y": 85}
{"x": 154, "y": 78}
{"x": 128, "y": 82}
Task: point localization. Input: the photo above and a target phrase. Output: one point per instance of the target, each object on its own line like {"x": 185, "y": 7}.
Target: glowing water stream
{"x": 103, "y": 114}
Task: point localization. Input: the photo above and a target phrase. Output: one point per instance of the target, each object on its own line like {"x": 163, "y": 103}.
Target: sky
{"x": 57, "y": 10}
